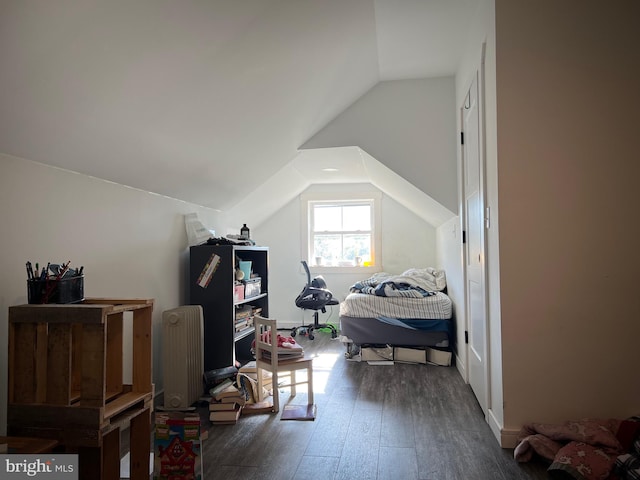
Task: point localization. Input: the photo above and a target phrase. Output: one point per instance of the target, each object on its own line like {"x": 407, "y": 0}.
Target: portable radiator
{"x": 182, "y": 356}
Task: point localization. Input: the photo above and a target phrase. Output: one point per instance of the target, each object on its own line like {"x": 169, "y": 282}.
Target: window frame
{"x": 307, "y": 200}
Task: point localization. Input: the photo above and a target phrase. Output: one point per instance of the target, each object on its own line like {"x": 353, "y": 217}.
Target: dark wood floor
{"x": 398, "y": 422}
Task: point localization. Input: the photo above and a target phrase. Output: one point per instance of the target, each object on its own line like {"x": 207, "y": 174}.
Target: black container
{"x": 67, "y": 290}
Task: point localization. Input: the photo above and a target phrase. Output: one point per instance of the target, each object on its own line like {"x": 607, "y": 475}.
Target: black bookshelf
{"x": 211, "y": 284}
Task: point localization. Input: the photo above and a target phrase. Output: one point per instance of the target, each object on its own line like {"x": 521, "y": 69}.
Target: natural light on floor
{"x": 322, "y": 365}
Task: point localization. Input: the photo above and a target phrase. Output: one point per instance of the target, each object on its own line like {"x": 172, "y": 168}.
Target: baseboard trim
{"x": 288, "y": 324}
{"x": 461, "y": 368}
{"x": 495, "y": 425}
{"x": 506, "y": 438}
{"x": 509, "y": 438}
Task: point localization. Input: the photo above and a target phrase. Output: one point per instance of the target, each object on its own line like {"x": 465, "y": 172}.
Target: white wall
{"x": 132, "y": 244}
{"x": 449, "y": 258}
{"x": 407, "y": 241}
{"x": 567, "y": 164}
{"x": 407, "y": 125}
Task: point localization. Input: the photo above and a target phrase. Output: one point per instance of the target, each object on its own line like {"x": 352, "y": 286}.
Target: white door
{"x": 475, "y": 222}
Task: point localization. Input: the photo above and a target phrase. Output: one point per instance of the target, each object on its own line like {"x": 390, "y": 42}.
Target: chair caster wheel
{"x": 334, "y": 335}
{"x": 293, "y": 333}
{"x": 311, "y": 337}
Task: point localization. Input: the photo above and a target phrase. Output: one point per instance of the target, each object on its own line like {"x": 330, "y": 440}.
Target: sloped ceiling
{"x": 177, "y": 98}
{"x": 408, "y": 126}
{"x": 356, "y": 167}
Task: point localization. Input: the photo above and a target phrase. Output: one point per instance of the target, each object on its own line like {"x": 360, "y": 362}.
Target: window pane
{"x": 329, "y": 247}
{"x": 357, "y": 217}
{"x": 357, "y": 246}
{"x": 342, "y": 232}
{"x": 327, "y": 218}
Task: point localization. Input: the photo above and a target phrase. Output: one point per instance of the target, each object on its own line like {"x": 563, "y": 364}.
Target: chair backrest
{"x": 266, "y": 340}
{"x": 314, "y": 295}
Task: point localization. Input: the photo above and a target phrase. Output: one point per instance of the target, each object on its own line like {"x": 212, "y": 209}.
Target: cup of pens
{"x": 55, "y": 283}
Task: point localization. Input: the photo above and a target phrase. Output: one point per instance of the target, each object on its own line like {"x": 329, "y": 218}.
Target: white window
{"x": 342, "y": 233}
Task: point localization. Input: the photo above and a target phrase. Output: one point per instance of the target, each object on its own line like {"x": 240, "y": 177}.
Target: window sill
{"x": 365, "y": 271}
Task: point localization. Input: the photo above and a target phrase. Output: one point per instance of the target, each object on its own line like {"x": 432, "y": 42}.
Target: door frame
{"x": 478, "y": 71}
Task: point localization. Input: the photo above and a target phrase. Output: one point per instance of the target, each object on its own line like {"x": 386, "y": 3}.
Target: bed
{"x": 411, "y": 309}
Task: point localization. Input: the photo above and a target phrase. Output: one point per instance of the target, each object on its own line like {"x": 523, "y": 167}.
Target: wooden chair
{"x": 266, "y": 351}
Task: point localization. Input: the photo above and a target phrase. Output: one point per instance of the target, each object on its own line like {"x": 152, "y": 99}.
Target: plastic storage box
{"x": 252, "y": 287}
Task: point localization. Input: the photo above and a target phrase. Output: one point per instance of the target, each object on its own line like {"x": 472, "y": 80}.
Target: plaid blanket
{"x": 627, "y": 466}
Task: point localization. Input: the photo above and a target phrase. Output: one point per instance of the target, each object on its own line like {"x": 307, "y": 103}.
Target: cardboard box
{"x": 410, "y": 355}
{"x": 376, "y": 354}
{"x": 177, "y": 446}
{"x": 439, "y": 357}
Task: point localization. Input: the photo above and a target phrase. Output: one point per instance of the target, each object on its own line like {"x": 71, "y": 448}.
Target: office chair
{"x": 315, "y": 296}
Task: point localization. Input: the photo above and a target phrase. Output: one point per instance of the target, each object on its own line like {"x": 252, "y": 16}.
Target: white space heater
{"x": 182, "y": 356}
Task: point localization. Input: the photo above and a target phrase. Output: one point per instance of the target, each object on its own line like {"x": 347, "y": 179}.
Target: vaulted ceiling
{"x": 203, "y": 100}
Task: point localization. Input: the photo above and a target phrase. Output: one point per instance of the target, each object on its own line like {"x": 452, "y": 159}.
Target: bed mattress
{"x": 379, "y": 331}
{"x": 362, "y": 305}
{"x": 402, "y": 321}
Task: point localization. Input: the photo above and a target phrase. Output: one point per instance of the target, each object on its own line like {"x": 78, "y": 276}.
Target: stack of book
{"x": 292, "y": 350}
{"x": 248, "y": 379}
{"x": 213, "y": 378}
{"x": 244, "y": 317}
{"x": 225, "y": 405}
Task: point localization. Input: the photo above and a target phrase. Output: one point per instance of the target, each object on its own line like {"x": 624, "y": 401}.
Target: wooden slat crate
{"x": 66, "y": 376}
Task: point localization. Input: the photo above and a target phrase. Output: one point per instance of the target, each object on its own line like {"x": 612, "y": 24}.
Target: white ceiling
{"x": 203, "y": 100}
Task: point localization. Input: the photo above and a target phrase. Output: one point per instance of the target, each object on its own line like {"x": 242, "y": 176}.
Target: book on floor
{"x": 215, "y": 377}
{"x": 265, "y": 406}
{"x": 251, "y": 371}
{"x": 227, "y": 416}
{"x": 217, "y": 406}
{"x": 249, "y": 367}
{"x": 229, "y": 391}
{"x": 298, "y": 412}
{"x": 223, "y": 385}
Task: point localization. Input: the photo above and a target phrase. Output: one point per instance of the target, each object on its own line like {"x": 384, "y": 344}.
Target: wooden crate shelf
{"x": 66, "y": 377}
